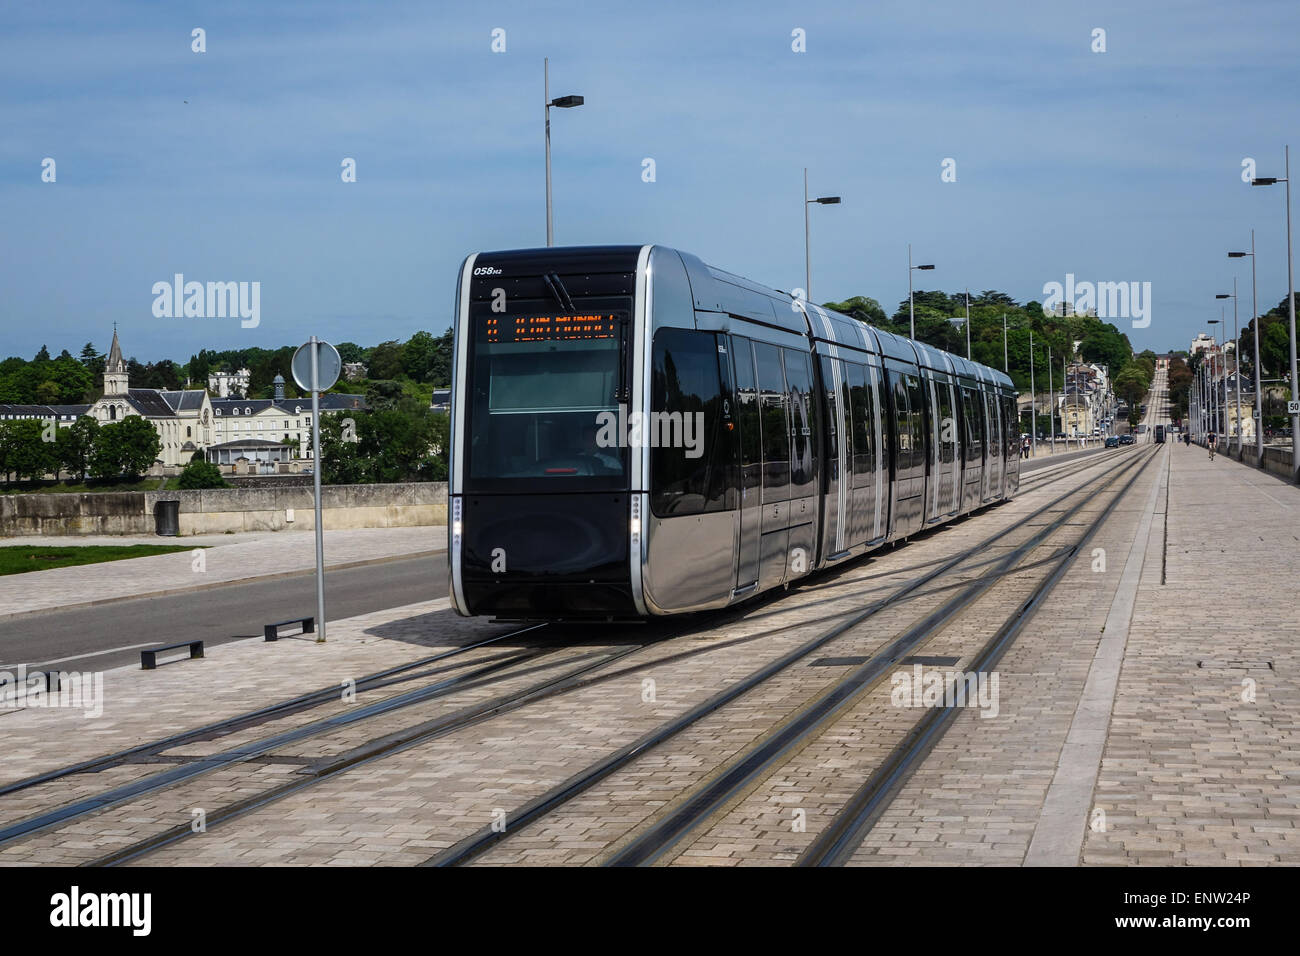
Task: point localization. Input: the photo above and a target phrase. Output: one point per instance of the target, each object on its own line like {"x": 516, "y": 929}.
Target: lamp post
{"x": 563, "y": 103}
{"x": 911, "y": 310}
{"x": 807, "y": 249}
{"x": 1033, "y": 406}
{"x": 1254, "y": 308}
{"x": 1215, "y": 402}
{"x": 1236, "y": 360}
{"x": 968, "y": 358}
{"x": 1290, "y": 301}
{"x": 1051, "y": 399}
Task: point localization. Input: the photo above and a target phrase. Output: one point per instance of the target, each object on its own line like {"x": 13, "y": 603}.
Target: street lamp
{"x": 807, "y": 254}
{"x": 911, "y": 312}
{"x": 1236, "y": 359}
{"x": 1215, "y": 403}
{"x": 560, "y": 103}
{"x": 1254, "y": 308}
{"x": 1290, "y": 301}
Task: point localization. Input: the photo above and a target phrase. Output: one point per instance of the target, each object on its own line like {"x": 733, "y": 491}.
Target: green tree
{"x": 418, "y": 356}
{"x": 386, "y": 361}
{"x": 201, "y": 474}
{"x": 1131, "y": 385}
{"x": 24, "y": 453}
{"x": 74, "y": 445}
{"x": 861, "y": 307}
{"x": 128, "y": 447}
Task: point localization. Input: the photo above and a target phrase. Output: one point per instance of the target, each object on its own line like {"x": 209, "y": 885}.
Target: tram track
{"x": 689, "y": 815}
{"x": 471, "y": 847}
{"x": 837, "y": 842}
{"x": 485, "y": 671}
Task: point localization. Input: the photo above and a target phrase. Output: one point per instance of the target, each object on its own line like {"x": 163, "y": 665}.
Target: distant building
{"x": 441, "y": 401}
{"x": 225, "y": 384}
{"x": 354, "y": 370}
{"x": 182, "y": 418}
{"x": 225, "y": 429}
{"x": 253, "y": 425}
{"x": 1202, "y": 341}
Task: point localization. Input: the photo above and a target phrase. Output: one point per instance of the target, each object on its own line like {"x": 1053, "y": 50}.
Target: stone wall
{"x": 217, "y": 510}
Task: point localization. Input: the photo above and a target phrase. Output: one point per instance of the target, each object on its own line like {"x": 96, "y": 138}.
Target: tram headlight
{"x": 456, "y": 526}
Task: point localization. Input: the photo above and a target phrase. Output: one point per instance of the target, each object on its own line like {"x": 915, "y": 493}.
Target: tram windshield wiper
{"x": 556, "y": 286}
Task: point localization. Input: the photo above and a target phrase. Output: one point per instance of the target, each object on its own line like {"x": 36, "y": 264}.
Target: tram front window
{"x": 539, "y": 408}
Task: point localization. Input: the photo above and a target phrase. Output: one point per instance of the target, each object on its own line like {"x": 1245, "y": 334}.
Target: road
{"x": 107, "y": 635}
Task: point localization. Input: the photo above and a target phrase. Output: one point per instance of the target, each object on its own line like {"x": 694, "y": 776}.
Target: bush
{"x": 201, "y": 474}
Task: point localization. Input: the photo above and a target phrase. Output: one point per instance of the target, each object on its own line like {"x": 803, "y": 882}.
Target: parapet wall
{"x": 218, "y": 510}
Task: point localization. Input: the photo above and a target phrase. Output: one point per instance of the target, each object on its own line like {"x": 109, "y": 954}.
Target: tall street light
{"x": 1290, "y": 301}
{"x": 911, "y": 312}
{"x": 560, "y": 103}
{"x": 1254, "y": 308}
{"x": 1236, "y": 360}
{"x": 1216, "y": 404}
{"x": 807, "y": 253}
{"x": 1033, "y": 407}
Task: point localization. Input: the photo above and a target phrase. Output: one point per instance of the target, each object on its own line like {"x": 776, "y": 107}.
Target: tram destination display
{"x": 542, "y": 328}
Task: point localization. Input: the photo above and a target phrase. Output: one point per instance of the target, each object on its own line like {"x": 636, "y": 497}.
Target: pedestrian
{"x": 1210, "y": 442}
{"x": 1187, "y": 438}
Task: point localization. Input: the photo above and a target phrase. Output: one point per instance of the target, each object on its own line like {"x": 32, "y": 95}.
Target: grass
{"x": 18, "y": 559}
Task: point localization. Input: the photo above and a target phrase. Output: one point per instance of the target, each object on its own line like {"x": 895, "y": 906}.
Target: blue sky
{"x": 1115, "y": 166}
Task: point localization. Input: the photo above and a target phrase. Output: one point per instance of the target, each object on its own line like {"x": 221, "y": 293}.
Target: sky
{"x": 226, "y": 165}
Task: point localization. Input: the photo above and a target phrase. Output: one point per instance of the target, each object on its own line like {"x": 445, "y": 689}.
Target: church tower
{"x": 115, "y": 375}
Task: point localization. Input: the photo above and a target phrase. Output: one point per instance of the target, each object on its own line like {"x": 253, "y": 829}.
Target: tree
{"x": 386, "y": 361}
{"x": 1131, "y": 385}
{"x": 74, "y": 445}
{"x": 861, "y": 307}
{"x": 128, "y": 447}
{"x": 24, "y": 453}
{"x": 418, "y": 356}
{"x": 202, "y": 474}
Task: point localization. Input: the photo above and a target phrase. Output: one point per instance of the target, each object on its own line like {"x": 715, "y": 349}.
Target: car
{"x": 1112, "y": 441}
{"x": 1127, "y": 440}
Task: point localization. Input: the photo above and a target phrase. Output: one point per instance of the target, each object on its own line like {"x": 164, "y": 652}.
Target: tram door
{"x": 751, "y": 464}
{"x": 837, "y": 477}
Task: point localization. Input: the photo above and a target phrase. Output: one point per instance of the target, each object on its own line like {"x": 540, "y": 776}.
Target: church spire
{"x": 115, "y": 363}
{"x": 116, "y": 380}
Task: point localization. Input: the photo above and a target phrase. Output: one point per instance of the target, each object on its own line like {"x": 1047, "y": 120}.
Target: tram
{"x": 637, "y": 433}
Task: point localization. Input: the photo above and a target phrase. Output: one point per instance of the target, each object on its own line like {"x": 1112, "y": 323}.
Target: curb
{"x": 163, "y": 592}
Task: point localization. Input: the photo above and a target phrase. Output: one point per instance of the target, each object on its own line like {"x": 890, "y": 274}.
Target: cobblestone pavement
{"x": 1190, "y": 771}
{"x": 225, "y": 558}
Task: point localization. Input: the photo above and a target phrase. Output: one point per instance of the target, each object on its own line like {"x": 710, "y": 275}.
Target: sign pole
{"x": 316, "y": 466}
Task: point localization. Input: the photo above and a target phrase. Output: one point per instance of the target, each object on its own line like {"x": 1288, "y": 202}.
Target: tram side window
{"x": 974, "y": 428}
{"x": 947, "y": 427}
{"x": 995, "y": 429}
{"x": 686, "y": 432}
{"x": 864, "y": 426}
{"x": 1011, "y": 427}
{"x": 751, "y": 439}
{"x": 833, "y": 427}
{"x": 916, "y": 394}
{"x": 803, "y": 465}
{"x": 776, "y": 429}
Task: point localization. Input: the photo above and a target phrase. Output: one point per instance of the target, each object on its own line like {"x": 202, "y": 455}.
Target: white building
{"x": 225, "y": 384}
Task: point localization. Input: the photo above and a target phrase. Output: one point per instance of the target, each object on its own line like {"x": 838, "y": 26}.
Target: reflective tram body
{"x": 637, "y": 433}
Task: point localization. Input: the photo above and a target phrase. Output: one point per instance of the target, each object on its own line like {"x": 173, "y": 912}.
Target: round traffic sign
{"x": 328, "y": 366}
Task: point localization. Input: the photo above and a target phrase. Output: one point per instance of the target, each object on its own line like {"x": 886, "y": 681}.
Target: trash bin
{"x": 166, "y": 518}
